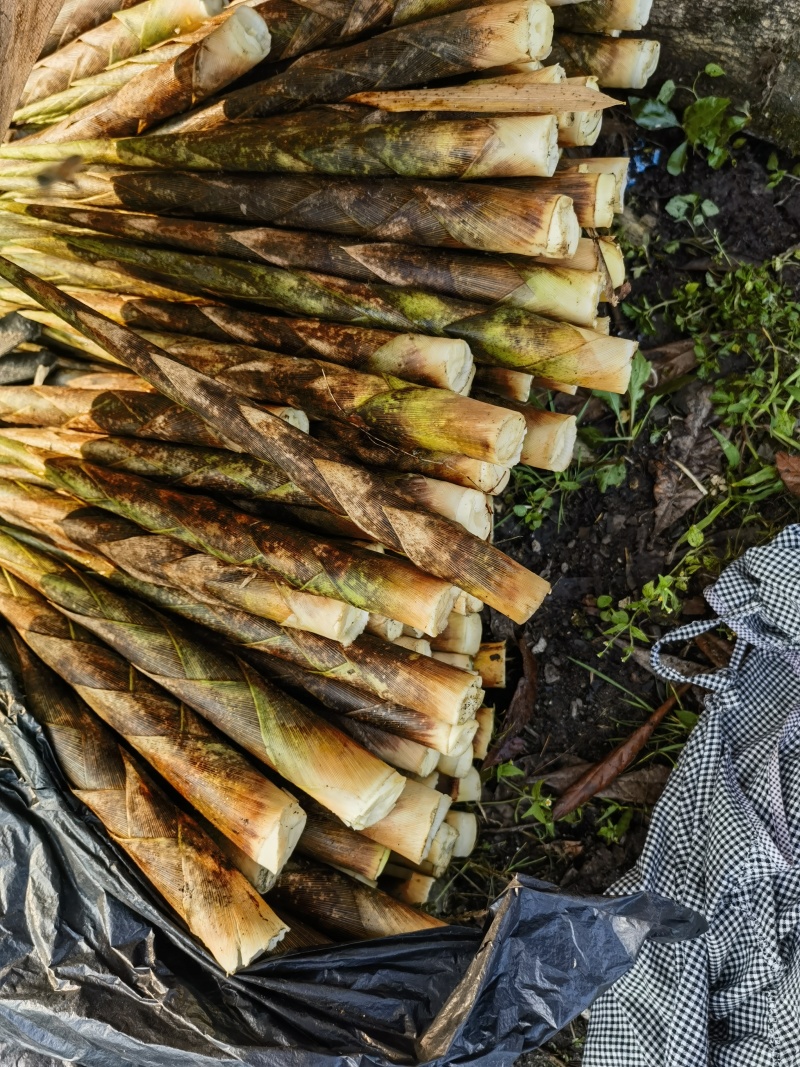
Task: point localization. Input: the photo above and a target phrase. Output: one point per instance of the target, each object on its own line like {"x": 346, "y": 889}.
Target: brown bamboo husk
{"x": 491, "y": 96}
{"x": 301, "y": 935}
{"x": 273, "y": 727}
{"x": 441, "y": 47}
{"x": 499, "y": 381}
{"x": 456, "y": 766}
{"x": 228, "y": 52}
{"x": 617, "y": 63}
{"x": 604, "y": 16}
{"x": 414, "y": 889}
{"x": 126, "y": 33}
{"x": 408, "y": 415}
{"x": 616, "y": 165}
{"x": 489, "y": 478}
{"x": 326, "y": 840}
{"x": 384, "y": 515}
{"x": 400, "y": 752}
{"x": 215, "y": 901}
{"x": 466, "y": 790}
{"x": 483, "y": 737}
{"x": 463, "y": 634}
{"x": 593, "y": 195}
{"x": 465, "y": 823}
{"x": 261, "y": 819}
{"x": 76, "y": 17}
{"x": 550, "y": 439}
{"x": 411, "y": 827}
{"x": 345, "y": 908}
{"x": 555, "y": 385}
{"x": 490, "y": 663}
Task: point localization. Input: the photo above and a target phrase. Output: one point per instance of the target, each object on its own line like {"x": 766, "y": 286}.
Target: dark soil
{"x": 604, "y": 543}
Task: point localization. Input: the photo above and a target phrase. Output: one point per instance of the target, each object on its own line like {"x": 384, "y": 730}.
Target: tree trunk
{"x": 756, "y": 43}
{"x": 23, "y": 28}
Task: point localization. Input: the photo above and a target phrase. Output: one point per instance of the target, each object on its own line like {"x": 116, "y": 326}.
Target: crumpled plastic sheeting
{"x": 91, "y": 981}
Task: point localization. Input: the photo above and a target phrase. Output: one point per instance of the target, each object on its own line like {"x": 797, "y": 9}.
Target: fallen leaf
{"x": 509, "y": 745}
{"x": 640, "y": 787}
{"x": 789, "y": 470}
{"x": 672, "y": 361}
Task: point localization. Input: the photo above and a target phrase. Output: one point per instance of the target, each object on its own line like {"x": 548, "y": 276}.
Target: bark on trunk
{"x": 23, "y": 28}
{"x": 758, "y": 46}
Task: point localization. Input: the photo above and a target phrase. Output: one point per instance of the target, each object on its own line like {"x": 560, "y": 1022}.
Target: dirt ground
{"x": 592, "y": 544}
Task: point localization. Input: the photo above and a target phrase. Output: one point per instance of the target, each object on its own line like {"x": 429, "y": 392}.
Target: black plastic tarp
{"x": 94, "y": 971}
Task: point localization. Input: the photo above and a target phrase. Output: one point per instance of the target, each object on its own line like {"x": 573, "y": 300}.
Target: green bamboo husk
{"x": 504, "y": 336}
{"x": 173, "y": 852}
{"x": 342, "y": 141}
{"x": 263, "y": 820}
{"x": 126, "y": 33}
{"x": 160, "y": 91}
{"x": 440, "y": 47}
{"x": 345, "y": 908}
{"x": 408, "y": 415}
{"x": 271, "y": 726}
{"x": 557, "y": 292}
{"x": 437, "y": 546}
{"x": 165, "y": 560}
{"x": 366, "y": 580}
{"x": 602, "y": 16}
{"x": 486, "y": 217}
{"x": 368, "y": 672}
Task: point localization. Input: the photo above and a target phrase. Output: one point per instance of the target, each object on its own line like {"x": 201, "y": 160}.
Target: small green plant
{"x": 540, "y": 492}
{"x": 614, "y": 822}
{"x": 778, "y": 174}
{"x": 710, "y": 123}
{"x": 530, "y": 802}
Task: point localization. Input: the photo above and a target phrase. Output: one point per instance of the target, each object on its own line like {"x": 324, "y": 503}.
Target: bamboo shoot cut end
{"x": 460, "y": 738}
{"x": 564, "y": 231}
{"x": 483, "y": 735}
{"x": 583, "y": 128}
{"x": 443, "y": 362}
{"x": 410, "y": 828}
{"x": 376, "y": 803}
{"x": 456, "y": 766}
{"x": 414, "y": 644}
{"x": 540, "y": 29}
{"x": 293, "y": 416}
{"x": 469, "y": 787}
{"x": 523, "y": 146}
{"x": 415, "y": 889}
{"x": 550, "y": 441}
{"x": 231, "y": 50}
{"x": 463, "y": 634}
{"x": 280, "y": 844}
{"x": 613, "y": 259}
{"x": 466, "y": 826}
{"x": 455, "y": 659}
{"x": 380, "y": 626}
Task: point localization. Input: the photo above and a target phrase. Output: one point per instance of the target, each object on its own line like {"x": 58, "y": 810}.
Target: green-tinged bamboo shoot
{"x": 465, "y": 823}
{"x": 327, "y": 840}
{"x": 400, "y": 752}
{"x": 603, "y": 16}
{"x": 173, "y": 86}
{"x": 463, "y": 634}
{"x": 261, "y": 819}
{"x": 411, "y": 827}
{"x": 441, "y": 47}
{"x": 273, "y": 727}
{"x": 550, "y": 439}
{"x": 616, "y": 165}
{"x": 411, "y": 416}
{"x": 495, "y": 96}
{"x": 345, "y": 908}
{"x": 436, "y": 545}
{"x": 483, "y": 736}
{"x": 490, "y": 663}
{"x": 341, "y": 141}
{"x": 488, "y": 478}
{"x": 508, "y": 384}
{"x": 76, "y": 17}
{"x": 617, "y": 62}
{"x": 456, "y": 766}
{"x": 176, "y": 856}
{"x": 129, "y": 31}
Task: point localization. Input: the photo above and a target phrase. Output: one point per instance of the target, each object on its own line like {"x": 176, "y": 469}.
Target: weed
{"x": 709, "y": 123}
{"x": 614, "y": 822}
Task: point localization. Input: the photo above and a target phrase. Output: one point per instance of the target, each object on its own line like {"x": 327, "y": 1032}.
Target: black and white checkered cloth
{"x": 725, "y": 840}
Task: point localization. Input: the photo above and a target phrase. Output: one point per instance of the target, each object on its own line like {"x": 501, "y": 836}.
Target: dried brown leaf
{"x": 509, "y": 744}
{"x": 789, "y": 470}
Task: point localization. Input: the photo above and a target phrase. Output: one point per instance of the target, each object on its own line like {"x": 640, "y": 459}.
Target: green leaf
{"x": 729, "y": 449}
{"x": 641, "y": 369}
{"x": 695, "y": 536}
{"x": 604, "y": 601}
{"x": 508, "y": 770}
{"x": 676, "y": 164}
{"x": 652, "y": 114}
{"x": 713, "y": 70}
{"x": 702, "y": 120}
{"x": 666, "y": 92}
{"x": 709, "y": 208}
{"x": 678, "y": 208}
{"x": 612, "y": 475}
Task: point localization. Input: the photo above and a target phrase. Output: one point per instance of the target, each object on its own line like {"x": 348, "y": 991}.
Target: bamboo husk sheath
{"x": 183, "y": 864}
{"x": 441, "y": 47}
{"x": 602, "y": 16}
{"x": 361, "y": 578}
{"x": 16, "y": 330}
{"x": 509, "y": 384}
{"x": 340, "y": 906}
{"x": 128, "y": 32}
{"x": 617, "y": 63}
{"x": 163, "y": 559}
{"x": 436, "y": 545}
{"x": 558, "y": 292}
{"x": 437, "y": 361}
{"x": 262, "y": 820}
{"x": 327, "y": 840}
{"x": 486, "y": 217}
{"x": 172, "y": 86}
{"x": 342, "y": 140}
{"x": 76, "y": 17}
{"x": 400, "y": 752}
{"x": 273, "y": 727}
{"x": 483, "y": 735}
{"x": 409, "y": 415}
{"x": 505, "y": 336}
{"x": 501, "y": 95}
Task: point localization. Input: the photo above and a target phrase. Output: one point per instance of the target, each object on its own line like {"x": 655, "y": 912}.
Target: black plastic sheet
{"x": 95, "y": 972}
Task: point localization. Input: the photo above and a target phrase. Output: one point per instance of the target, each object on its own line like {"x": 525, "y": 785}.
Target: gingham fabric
{"x": 725, "y": 840}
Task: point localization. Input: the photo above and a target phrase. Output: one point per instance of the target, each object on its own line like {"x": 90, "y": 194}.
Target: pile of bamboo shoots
{"x": 269, "y": 350}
